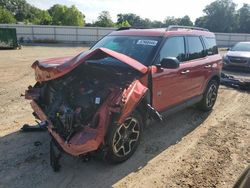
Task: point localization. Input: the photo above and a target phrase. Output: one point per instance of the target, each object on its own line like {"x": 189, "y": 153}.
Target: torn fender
{"x": 131, "y": 98}
{"x": 56, "y": 67}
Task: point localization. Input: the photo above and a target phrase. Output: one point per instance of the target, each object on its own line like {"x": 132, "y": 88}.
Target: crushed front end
{"x": 78, "y": 106}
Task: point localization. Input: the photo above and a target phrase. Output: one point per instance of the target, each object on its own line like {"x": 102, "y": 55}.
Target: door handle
{"x": 207, "y": 66}
{"x": 185, "y": 72}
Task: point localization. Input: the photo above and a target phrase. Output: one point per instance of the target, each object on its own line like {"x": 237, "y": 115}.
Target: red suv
{"x": 100, "y": 100}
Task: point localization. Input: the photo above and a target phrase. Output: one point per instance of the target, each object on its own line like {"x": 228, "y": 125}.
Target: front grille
{"x": 238, "y": 59}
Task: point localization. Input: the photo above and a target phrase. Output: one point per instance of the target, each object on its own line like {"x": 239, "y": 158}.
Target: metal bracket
{"x": 154, "y": 114}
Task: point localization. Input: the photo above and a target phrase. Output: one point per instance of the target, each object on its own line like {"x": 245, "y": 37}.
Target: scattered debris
{"x": 231, "y": 81}
{"x": 42, "y": 126}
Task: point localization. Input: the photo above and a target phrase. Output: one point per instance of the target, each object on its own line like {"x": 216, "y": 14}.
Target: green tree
{"x": 220, "y": 16}
{"x": 170, "y": 20}
{"x": 19, "y": 8}
{"x": 57, "y": 12}
{"x": 133, "y": 19}
{"x": 6, "y": 16}
{"x": 201, "y": 22}
{"x": 244, "y": 19}
{"x": 156, "y": 24}
{"x": 137, "y": 21}
{"x": 38, "y": 16}
{"x": 124, "y": 24}
{"x": 62, "y": 15}
{"x": 185, "y": 21}
{"x": 73, "y": 17}
{"x": 45, "y": 18}
{"x": 24, "y": 12}
{"x": 104, "y": 20}
{"x": 89, "y": 25}
{"x": 145, "y": 23}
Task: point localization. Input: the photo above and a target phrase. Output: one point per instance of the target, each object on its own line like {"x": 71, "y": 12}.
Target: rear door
{"x": 198, "y": 64}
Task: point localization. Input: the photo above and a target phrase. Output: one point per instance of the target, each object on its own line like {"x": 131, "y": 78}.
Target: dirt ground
{"x": 190, "y": 149}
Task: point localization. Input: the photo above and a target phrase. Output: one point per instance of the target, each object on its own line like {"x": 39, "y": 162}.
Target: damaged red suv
{"x": 100, "y": 100}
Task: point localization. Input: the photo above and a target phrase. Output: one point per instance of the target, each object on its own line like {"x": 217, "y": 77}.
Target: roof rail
{"x": 175, "y": 27}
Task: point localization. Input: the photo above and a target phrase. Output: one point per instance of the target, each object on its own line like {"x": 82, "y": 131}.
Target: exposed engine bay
{"x": 81, "y": 101}
{"x": 70, "y": 102}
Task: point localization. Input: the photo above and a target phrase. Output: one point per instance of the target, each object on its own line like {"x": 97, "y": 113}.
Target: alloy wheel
{"x": 126, "y": 137}
{"x": 211, "y": 95}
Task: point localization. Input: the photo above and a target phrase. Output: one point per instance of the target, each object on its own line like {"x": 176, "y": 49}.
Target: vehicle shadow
{"x": 24, "y": 158}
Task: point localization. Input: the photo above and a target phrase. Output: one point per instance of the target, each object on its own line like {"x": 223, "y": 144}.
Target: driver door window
{"x": 173, "y": 47}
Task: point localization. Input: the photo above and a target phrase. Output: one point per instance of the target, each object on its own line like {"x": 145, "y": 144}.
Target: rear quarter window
{"x": 195, "y": 48}
{"x": 211, "y": 45}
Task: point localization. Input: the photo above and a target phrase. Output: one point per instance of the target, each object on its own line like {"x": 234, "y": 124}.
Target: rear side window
{"x": 211, "y": 46}
{"x": 173, "y": 47}
{"x": 195, "y": 48}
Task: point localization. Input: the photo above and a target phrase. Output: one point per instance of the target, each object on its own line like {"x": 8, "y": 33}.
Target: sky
{"x": 153, "y": 9}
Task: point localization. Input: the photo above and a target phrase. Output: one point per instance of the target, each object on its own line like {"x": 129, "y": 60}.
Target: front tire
{"x": 123, "y": 139}
{"x": 209, "y": 97}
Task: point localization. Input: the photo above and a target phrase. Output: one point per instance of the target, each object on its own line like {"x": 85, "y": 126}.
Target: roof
{"x": 162, "y": 32}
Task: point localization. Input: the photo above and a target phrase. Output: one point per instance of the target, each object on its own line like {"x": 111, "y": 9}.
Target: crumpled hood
{"x": 238, "y": 54}
{"x": 56, "y": 67}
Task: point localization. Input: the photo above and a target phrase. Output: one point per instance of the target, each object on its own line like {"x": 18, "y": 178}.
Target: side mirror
{"x": 228, "y": 49}
{"x": 169, "y": 63}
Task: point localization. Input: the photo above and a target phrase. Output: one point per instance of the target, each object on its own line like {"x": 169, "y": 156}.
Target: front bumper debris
{"x": 40, "y": 126}
{"x": 231, "y": 81}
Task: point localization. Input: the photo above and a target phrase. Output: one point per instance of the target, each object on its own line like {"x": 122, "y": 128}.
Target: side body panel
{"x": 198, "y": 75}
{"x": 169, "y": 87}
{"x": 214, "y": 69}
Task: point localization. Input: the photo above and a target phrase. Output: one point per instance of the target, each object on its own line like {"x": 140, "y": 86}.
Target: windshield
{"x": 242, "y": 47}
{"x": 137, "y": 47}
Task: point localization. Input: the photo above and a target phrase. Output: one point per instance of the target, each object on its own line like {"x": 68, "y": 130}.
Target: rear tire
{"x": 123, "y": 139}
{"x": 209, "y": 96}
